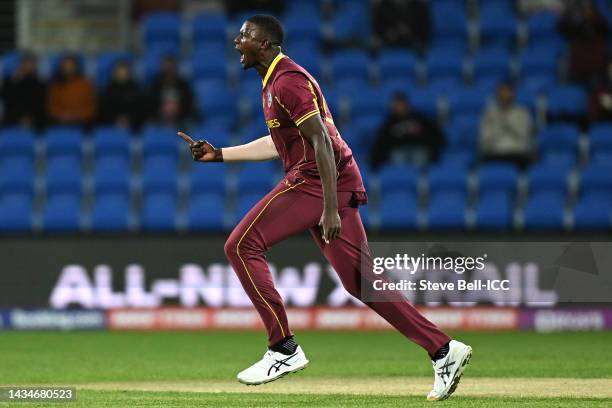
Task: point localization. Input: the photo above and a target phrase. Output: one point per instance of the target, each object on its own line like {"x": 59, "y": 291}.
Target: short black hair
{"x": 270, "y": 26}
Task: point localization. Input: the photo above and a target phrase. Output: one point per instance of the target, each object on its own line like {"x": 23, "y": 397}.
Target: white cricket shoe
{"x": 272, "y": 366}
{"x": 448, "y": 370}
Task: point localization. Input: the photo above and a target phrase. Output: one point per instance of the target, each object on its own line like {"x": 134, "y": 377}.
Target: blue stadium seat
{"x": 497, "y": 177}
{"x": 364, "y": 132}
{"x": 111, "y": 212}
{"x": 111, "y": 141}
{"x": 63, "y": 176}
{"x": 596, "y": 180}
{"x": 17, "y": 176}
{"x": 63, "y": 142}
{"x": 498, "y": 26}
{"x": 303, "y": 23}
{"x": 216, "y": 101}
{"x": 447, "y": 180}
{"x": 492, "y": 63}
{"x": 15, "y": 213}
{"x": 10, "y": 61}
{"x": 161, "y": 27}
{"x": 494, "y": 211}
{"x": 446, "y": 85}
{"x": 544, "y": 211}
{"x": 539, "y": 60}
{"x": 161, "y": 141}
{"x": 535, "y": 84}
{"x": 558, "y": 139}
{"x": 244, "y": 204}
{"x": 216, "y": 134}
{"x": 457, "y": 156}
{"x": 350, "y": 87}
{"x": 566, "y": 101}
{"x": 307, "y": 55}
{"x": 600, "y": 147}
{"x": 369, "y": 102}
{"x": 544, "y": 178}
{"x": 62, "y": 213}
{"x": 396, "y": 64}
{"x": 466, "y": 101}
{"x": 159, "y": 175}
{"x": 209, "y": 26}
{"x": 351, "y": 22}
{"x": 444, "y": 62}
{"x": 350, "y": 64}
{"x": 541, "y": 26}
{"x": 105, "y": 63}
{"x": 398, "y": 210}
{"x": 593, "y": 213}
{"x": 15, "y": 141}
{"x": 159, "y": 212}
{"x": 425, "y": 101}
{"x": 258, "y": 178}
{"x": 206, "y": 211}
{"x": 209, "y": 62}
{"x": 528, "y": 98}
{"x": 255, "y": 131}
{"x": 397, "y": 178}
{"x": 390, "y": 87}
{"x": 463, "y": 130}
{"x": 207, "y": 178}
{"x": 111, "y": 175}
{"x": 449, "y": 19}
{"x": 446, "y": 210}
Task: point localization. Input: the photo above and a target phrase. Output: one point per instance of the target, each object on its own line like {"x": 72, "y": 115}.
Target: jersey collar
{"x": 271, "y": 68}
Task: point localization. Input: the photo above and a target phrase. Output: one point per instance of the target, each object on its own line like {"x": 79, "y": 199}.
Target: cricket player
{"x": 320, "y": 192}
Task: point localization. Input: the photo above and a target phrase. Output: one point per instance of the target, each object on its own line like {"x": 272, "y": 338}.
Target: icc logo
{"x": 269, "y": 99}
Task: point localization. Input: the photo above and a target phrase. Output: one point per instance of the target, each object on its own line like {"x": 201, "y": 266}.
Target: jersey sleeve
{"x": 295, "y": 93}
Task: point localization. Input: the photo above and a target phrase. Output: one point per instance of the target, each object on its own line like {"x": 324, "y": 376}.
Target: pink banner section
{"x": 322, "y": 318}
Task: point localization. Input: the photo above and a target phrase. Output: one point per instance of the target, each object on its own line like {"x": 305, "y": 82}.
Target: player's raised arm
{"x": 261, "y": 149}
{"x": 315, "y": 132}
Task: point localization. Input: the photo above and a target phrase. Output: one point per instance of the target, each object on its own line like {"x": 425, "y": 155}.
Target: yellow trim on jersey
{"x": 271, "y": 68}
{"x": 282, "y": 106}
{"x": 244, "y": 264}
{"x": 306, "y": 116}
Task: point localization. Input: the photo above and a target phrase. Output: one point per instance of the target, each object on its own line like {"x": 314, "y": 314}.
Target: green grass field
{"x": 346, "y": 369}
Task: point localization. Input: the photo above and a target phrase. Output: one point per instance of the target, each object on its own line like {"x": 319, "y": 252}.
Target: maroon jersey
{"x": 291, "y": 95}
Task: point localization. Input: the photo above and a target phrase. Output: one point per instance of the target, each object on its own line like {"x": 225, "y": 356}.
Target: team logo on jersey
{"x": 269, "y": 99}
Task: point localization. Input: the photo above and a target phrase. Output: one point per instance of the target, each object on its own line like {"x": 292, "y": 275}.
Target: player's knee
{"x": 231, "y": 247}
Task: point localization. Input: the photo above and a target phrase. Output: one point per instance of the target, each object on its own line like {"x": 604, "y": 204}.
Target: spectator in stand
{"x": 71, "y": 99}
{"x": 406, "y": 135}
{"x": 506, "y": 129}
{"x": 400, "y": 23}
{"x": 601, "y": 99}
{"x": 122, "y": 102}
{"x": 171, "y": 95}
{"x": 587, "y": 33}
{"x": 23, "y": 95}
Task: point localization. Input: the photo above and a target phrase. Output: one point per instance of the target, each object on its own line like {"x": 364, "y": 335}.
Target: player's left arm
{"x": 297, "y": 96}
{"x": 316, "y": 133}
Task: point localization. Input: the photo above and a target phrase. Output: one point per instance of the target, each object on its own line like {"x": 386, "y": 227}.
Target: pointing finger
{"x": 185, "y": 137}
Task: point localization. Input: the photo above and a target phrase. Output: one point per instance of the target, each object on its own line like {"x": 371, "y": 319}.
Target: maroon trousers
{"x": 288, "y": 210}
